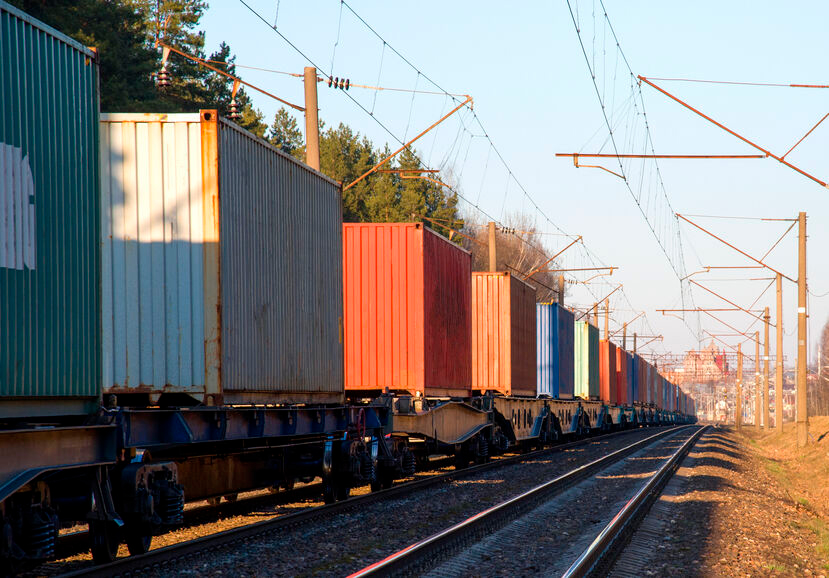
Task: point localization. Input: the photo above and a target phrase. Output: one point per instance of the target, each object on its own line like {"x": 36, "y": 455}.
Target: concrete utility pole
{"x": 634, "y": 343}
{"x": 312, "y": 122}
{"x": 596, "y": 315}
{"x": 757, "y": 409}
{"x": 625, "y": 336}
{"x": 561, "y": 290}
{"x": 766, "y": 416}
{"x": 606, "y": 319}
{"x": 738, "y": 403}
{"x": 493, "y": 258}
{"x": 802, "y": 416}
{"x": 778, "y": 363}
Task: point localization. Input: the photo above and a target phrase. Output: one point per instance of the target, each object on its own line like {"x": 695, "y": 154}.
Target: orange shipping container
{"x": 503, "y": 334}
{"x": 407, "y": 297}
{"x": 622, "y": 376}
{"x": 607, "y": 372}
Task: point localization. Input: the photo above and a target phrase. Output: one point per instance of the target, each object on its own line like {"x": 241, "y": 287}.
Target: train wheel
{"x": 343, "y": 492}
{"x": 104, "y": 541}
{"x": 383, "y": 480}
{"x": 138, "y": 537}
{"x": 329, "y": 491}
{"x": 461, "y": 459}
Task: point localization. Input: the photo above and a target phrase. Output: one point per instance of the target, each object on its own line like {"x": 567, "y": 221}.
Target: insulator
{"x": 163, "y": 77}
{"x": 336, "y": 81}
{"x": 330, "y": 80}
{"x": 342, "y": 83}
{"x": 347, "y": 83}
{"x": 234, "y": 111}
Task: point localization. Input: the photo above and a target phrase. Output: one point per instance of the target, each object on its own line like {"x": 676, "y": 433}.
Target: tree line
{"x": 126, "y": 35}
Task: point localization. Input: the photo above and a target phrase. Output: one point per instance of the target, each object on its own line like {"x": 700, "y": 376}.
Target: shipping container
{"x": 555, "y": 359}
{"x": 607, "y": 372}
{"x": 503, "y": 334}
{"x": 222, "y": 260}
{"x": 408, "y": 310}
{"x": 622, "y": 376}
{"x": 641, "y": 385}
{"x": 660, "y": 389}
{"x": 50, "y": 344}
{"x": 586, "y": 348}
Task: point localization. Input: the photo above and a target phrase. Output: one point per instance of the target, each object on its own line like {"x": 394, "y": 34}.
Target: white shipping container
{"x": 222, "y": 261}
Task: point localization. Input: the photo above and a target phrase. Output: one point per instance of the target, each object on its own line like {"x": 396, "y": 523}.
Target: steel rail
{"x": 135, "y": 565}
{"x": 426, "y": 551}
{"x": 601, "y": 552}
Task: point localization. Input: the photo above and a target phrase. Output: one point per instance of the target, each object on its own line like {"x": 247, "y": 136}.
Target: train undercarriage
{"x": 127, "y": 473}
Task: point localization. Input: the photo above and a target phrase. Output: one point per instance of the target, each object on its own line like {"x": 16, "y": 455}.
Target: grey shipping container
{"x": 222, "y": 265}
{"x": 49, "y": 227}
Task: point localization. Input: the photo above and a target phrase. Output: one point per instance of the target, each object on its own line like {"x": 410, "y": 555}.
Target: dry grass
{"x": 802, "y": 473}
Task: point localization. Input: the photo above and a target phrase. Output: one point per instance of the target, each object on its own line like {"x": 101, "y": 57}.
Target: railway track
{"x": 481, "y": 529}
{"x": 598, "y": 558}
{"x": 161, "y": 557}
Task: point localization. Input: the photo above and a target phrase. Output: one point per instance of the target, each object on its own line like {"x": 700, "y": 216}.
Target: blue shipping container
{"x": 555, "y": 337}
{"x": 631, "y": 384}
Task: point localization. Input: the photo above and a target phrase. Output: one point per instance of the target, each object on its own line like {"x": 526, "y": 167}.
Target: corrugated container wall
{"x": 607, "y": 372}
{"x": 281, "y": 267}
{"x": 408, "y": 310}
{"x": 503, "y": 334}
{"x": 631, "y": 385}
{"x": 586, "y": 349}
{"x": 213, "y": 285}
{"x": 555, "y": 360}
{"x": 641, "y": 386}
{"x": 49, "y": 228}
{"x": 622, "y": 373}
{"x": 660, "y": 392}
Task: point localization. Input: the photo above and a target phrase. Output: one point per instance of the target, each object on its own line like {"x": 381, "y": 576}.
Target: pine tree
{"x": 285, "y": 134}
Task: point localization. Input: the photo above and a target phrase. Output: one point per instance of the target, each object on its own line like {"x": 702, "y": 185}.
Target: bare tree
{"x": 519, "y": 250}
{"x": 818, "y": 395}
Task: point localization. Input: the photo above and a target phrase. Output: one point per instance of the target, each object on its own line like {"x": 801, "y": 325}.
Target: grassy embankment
{"x": 802, "y": 473}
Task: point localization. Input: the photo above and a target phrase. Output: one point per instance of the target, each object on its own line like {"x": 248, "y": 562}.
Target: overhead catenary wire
{"x": 455, "y": 98}
{"x": 658, "y": 229}
{"x": 742, "y": 83}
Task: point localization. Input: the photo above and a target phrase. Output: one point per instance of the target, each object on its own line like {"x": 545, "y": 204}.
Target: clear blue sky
{"x": 524, "y": 67}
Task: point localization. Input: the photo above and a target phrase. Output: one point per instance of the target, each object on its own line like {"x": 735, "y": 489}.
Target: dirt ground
{"x": 747, "y": 504}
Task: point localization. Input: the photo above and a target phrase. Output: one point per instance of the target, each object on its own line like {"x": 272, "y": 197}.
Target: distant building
{"x": 707, "y": 365}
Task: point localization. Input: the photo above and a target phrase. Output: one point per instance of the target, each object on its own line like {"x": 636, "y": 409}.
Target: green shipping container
{"x": 586, "y": 360}
{"x": 49, "y": 221}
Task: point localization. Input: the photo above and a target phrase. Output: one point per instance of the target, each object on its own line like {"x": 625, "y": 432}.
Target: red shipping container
{"x": 607, "y": 372}
{"x": 503, "y": 334}
{"x": 622, "y": 370}
{"x": 407, "y": 309}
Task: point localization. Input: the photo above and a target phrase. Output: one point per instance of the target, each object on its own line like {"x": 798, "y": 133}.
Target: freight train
{"x": 183, "y": 314}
